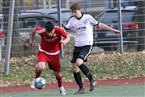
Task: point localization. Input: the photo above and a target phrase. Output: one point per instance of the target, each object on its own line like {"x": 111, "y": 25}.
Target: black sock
{"x": 78, "y": 79}
{"x": 86, "y": 72}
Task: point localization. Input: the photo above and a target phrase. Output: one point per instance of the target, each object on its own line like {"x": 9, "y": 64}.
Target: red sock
{"x": 59, "y": 80}
{"x": 37, "y": 72}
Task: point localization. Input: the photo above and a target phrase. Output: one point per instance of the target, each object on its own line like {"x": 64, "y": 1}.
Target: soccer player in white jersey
{"x": 83, "y": 25}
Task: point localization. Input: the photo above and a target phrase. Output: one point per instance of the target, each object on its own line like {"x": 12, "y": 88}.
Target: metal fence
{"x": 20, "y": 47}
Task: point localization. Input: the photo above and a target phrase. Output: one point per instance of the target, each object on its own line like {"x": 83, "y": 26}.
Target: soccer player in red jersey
{"x": 49, "y": 48}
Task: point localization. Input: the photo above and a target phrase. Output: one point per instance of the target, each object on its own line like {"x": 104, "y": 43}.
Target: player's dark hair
{"x": 75, "y": 6}
{"x": 49, "y": 26}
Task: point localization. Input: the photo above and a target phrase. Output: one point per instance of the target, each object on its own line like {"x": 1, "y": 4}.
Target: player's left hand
{"x": 31, "y": 42}
{"x": 118, "y": 32}
{"x": 63, "y": 42}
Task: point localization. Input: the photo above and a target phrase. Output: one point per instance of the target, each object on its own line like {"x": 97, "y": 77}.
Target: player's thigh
{"x": 85, "y": 52}
{"x": 54, "y": 63}
{"x": 42, "y": 59}
{"x": 75, "y": 54}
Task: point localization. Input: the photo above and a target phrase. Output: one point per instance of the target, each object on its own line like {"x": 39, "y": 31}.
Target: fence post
{"x": 9, "y": 37}
{"x": 60, "y": 24}
{"x": 120, "y": 26}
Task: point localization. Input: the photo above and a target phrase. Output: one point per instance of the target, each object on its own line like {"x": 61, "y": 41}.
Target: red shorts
{"x": 52, "y": 60}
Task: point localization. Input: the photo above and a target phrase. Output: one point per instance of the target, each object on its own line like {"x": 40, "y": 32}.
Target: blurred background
{"x": 31, "y": 13}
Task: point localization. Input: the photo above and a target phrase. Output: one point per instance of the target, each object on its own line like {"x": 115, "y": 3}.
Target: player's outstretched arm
{"x": 31, "y": 42}
{"x": 104, "y": 26}
{"x": 66, "y": 40}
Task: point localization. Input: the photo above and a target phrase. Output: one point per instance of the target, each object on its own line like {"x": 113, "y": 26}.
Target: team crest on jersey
{"x": 54, "y": 34}
{"x": 86, "y": 21}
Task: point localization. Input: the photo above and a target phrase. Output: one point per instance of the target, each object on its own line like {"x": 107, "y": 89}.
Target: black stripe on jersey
{"x": 97, "y": 24}
{"x": 66, "y": 28}
{"x": 69, "y": 19}
{"x": 67, "y": 22}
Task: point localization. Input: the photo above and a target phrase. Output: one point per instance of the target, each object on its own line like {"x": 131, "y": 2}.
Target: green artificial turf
{"x": 132, "y": 90}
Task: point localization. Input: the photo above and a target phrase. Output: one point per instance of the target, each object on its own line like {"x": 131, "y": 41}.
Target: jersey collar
{"x": 80, "y": 17}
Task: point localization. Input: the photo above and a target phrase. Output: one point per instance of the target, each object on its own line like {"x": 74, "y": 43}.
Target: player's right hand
{"x": 31, "y": 42}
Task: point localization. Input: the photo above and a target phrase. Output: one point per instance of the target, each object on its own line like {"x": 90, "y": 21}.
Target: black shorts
{"x": 81, "y": 52}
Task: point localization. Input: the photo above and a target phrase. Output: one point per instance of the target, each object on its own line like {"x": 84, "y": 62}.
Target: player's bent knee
{"x": 40, "y": 65}
{"x": 79, "y": 61}
{"x": 75, "y": 68}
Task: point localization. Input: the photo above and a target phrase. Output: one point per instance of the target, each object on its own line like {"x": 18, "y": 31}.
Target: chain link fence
{"x": 20, "y": 44}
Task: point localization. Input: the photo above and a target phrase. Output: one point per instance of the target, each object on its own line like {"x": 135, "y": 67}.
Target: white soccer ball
{"x": 40, "y": 82}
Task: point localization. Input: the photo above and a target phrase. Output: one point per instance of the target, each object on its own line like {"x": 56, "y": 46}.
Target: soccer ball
{"x": 40, "y": 82}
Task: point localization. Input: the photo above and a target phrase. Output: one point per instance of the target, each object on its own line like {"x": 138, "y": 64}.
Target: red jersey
{"x": 50, "y": 44}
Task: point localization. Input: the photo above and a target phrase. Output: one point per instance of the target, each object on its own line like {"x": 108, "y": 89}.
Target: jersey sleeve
{"x": 93, "y": 21}
{"x": 68, "y": 25}
{"x": 39, "y": 30}
{"x": 61, "y": 31}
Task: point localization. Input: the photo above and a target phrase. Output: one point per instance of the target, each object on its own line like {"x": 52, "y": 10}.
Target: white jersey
{"x": 83, "y": 28}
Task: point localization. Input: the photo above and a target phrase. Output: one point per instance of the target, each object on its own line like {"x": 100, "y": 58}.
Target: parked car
{"x": 65, "y": 13}
{"x": 1, "y": 23}
{"x": 105, "y": 38}
{"x": 27, "y": 21}
{"x": 1, "y": 33}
